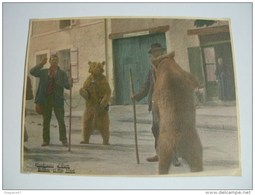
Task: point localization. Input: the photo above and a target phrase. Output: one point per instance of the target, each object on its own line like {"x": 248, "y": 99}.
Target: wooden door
{"x": 132, "y": 53}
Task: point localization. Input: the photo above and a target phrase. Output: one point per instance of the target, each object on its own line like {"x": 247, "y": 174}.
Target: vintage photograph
{"x": 130, "y": 96}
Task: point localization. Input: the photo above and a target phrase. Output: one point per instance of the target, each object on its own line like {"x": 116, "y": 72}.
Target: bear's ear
{"x": 90, "y": 63}
{"x": 103, "y": 63}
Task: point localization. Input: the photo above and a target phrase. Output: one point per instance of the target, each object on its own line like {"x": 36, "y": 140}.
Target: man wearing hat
{"x": 147, "y": 89}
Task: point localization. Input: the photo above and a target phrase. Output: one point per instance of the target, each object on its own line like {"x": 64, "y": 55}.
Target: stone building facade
{"x": 123, "y": 43}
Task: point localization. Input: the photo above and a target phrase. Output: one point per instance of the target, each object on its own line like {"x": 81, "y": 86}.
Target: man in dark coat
{"x": 29, "y": 96}
{"x": 50, "y": 95}
{"x": 147, "y": 89}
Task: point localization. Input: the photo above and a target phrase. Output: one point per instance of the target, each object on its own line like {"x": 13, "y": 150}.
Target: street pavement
{"x": 216, "y": 125}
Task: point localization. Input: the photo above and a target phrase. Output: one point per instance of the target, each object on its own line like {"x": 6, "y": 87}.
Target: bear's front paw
{"x": 105, "y": 107}
{"x": 84, "y": 93}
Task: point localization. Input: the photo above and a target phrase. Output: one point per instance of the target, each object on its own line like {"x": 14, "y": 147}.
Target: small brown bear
{"x": 174, "y": 104}
{"x": 97, "y": 92}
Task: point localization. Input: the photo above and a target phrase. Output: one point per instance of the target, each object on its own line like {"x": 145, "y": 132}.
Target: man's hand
{"x": 43, "y": 61}
{"x": 133, "y": 98}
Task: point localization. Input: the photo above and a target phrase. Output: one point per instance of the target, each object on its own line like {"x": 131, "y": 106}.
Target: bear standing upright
{"x": 173, "y": 101}
{"x": 96, "y": 92}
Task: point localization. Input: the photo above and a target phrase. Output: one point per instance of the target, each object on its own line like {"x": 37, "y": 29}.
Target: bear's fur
{"x": 173, "y": 102}
{"x": 97, "y": 92}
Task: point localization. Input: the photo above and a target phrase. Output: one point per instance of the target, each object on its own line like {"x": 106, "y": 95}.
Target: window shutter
{"x": 196, "y": 63}
{"x": 74, "y": 64}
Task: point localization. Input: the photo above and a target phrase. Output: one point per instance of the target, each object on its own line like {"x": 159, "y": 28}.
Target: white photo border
{"x": 15, "y": 28}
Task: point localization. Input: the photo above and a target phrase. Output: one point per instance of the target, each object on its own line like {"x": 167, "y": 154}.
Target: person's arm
{"x": 68, "y": 83}
{"x": 106, "y": 99}
{"x": 144, "y": 90}
{"x": 37, "y": 69}
{"x": 187, "y": 76}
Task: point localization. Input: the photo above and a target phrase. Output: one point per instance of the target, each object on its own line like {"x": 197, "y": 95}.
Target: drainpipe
{"x": 106, "y": 49}
{"x": 109, "y": 58}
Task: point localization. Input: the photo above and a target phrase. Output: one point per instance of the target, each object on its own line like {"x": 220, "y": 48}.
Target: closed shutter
{"x": 74, "y": 64}
{"x": 196, "y": 64}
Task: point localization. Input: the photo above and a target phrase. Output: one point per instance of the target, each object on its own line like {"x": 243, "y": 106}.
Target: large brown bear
{"x": 96, "y": 92}
{"x": 174, "y": 104}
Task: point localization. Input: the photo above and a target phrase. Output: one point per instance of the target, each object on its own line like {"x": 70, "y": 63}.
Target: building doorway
{"x": 217, "y": 86}
{"x": 132, "y": 53}
{"x": 203, "y": 60}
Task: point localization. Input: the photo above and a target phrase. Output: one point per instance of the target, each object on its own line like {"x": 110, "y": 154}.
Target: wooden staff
{"x": 134, "y": 109}
{"x": 70, "y": 111}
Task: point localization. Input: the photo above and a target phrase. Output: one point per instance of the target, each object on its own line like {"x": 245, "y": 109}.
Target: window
{"x": 64, "y": 60}
{"x": 74, "y": 65}
{"x": 209, "y": 55}
{"x": 64, "y": 24}
{"x": 40, "y": 57}
{"x": 68, "y": 62}
{"x": 67, "y": 23}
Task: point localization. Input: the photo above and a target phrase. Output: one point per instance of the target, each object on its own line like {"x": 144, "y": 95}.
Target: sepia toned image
{"x": 128, "y": 96}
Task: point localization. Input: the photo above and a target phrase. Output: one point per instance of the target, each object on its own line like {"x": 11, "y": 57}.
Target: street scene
{"x": 84, "y": 76}
{"x": 216, "y": 126}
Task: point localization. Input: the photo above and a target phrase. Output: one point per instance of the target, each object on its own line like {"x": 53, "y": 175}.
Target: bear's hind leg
{"x": 193, "y": 154}
{"x": 105, "y": 132}
{"x": 165, "y": 153}
{"x": 102, "y": 124}
{"x": 87, "y": 126}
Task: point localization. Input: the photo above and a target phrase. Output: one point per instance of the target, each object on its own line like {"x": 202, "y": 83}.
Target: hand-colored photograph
{"x": 130, "y": 96}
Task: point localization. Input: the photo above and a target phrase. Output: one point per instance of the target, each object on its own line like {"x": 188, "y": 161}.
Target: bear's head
{"x": 96, "y": 68}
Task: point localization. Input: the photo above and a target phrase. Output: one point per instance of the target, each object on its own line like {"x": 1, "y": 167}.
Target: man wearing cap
{"x": 50, "y": 96}
{"x": 147, "y": 89}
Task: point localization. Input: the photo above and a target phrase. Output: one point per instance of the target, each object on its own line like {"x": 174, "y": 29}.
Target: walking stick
{"x": 70, "y": 111}
{"x": 134, "y": 109}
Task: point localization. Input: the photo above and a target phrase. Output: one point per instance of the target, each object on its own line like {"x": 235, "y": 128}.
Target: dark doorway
{"x": 204, "y": 66}
{"x": 214, "y": 84}
{"x": 224, "y": 51}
